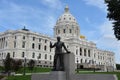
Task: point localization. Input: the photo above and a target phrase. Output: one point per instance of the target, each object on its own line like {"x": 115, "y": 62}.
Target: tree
{"x": 8, "y": 63}
{"x": 16, "y": 64}
{"x": 118, "y": 66}
{"x": 114, "y": 15}
{"x": 31, "y": 64}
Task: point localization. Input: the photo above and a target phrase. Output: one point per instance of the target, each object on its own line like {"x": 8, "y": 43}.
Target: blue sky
{"x": 41, "y": 15}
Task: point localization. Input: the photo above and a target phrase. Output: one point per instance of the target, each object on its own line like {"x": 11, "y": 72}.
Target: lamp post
{"x": 24, "y": 66}
{"x": 77, "y": 66}
{"x": 38, "y": 58}
{"x": 93, "y": 63}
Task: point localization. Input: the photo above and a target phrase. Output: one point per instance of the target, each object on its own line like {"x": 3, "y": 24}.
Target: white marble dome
{"x": 66, "y": 17}
{"x": 66, "y": 25}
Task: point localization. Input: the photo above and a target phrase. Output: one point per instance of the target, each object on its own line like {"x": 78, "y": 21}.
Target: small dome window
{"x": 64, "y": 18}
{"x": 69, "y": 18}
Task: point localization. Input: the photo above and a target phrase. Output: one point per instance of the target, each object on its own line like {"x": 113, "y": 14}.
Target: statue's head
{"x": 58, "y": 38}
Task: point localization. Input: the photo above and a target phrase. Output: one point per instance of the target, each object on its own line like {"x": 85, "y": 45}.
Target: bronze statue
{"x": 58, "y": 64}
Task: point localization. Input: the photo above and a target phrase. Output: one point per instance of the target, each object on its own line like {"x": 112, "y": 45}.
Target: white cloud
{"x": 87, "y": 20}
{"x": 97, "y": 3}
{"x": 107, "y": 40}
{"x": 14, "y": 16}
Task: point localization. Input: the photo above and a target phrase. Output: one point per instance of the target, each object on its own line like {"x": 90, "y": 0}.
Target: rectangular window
{"x": 88, "y": 53}
{"x": 70, "y": 31}
{"x": 23, "y": 54}
{"x": 23, "y": 44}
{"x": 15, "y": 37}
{"x": 80, "y": 51}
{"x": 45, "y": 48}
{"x": 64, "y": 30}
{"x": 13, "y": 54}
{"x": 45, "y": 41}
{"x": 33, "y": 38}
{"x": 58, "y": 31}
{"x": 6, "y": 44}
{"x": 14, "y": 44}
{"x": 33, "y": 55}
{"x": 84, "y": 52}
{"x": 39, "y": 39}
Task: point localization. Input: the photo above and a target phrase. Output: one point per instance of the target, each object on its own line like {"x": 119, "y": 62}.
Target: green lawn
{"x": 27, "y": 77}
{"x": 35, "y": 70}
{"x": 39, "y": 69}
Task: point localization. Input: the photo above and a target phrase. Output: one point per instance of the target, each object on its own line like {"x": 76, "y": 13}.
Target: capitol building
{"x": 25, "y": 44}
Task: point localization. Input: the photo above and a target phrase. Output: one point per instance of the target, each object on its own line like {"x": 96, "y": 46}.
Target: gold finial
{"x": 82, "y": 37}
{"x": 66, "y": 8}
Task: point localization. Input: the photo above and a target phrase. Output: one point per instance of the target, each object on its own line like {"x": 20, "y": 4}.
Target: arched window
{"x": 33, "y": 45}
{"x": 45, "y": 48}
{"x": 23, "y": 37}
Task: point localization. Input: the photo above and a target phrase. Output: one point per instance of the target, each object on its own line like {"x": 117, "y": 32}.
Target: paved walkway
{"x": 77, "y": 77}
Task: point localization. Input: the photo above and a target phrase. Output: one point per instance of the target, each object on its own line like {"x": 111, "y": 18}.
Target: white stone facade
{"x": 24, "y": 43}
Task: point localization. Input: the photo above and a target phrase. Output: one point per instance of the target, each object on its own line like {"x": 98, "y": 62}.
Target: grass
{"x": 27, "y": 77}
{"x": 39, "y": 70}
{"x": 35, "y": 70}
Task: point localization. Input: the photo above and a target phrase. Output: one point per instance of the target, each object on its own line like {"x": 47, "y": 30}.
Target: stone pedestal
{"x": 69, "y": 64}
{"x": 57, "y": 75}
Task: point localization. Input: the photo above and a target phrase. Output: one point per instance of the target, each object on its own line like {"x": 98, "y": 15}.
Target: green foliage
{"x": 118, "y": 66}
{"x": 8, "y": 63}
{"x": 16, "y": 65}
{"x": 31, "y": 64}
{"x": 114, "y": 15}
{"x": 1, "y": 68}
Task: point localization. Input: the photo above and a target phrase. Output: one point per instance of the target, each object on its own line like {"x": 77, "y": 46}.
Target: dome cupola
{"x": 66, "y": 25}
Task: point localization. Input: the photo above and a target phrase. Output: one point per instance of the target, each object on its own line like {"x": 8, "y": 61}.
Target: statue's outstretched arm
{"x": 51, "y": 46}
